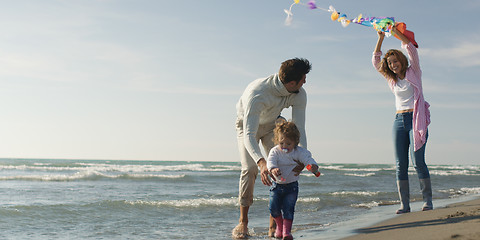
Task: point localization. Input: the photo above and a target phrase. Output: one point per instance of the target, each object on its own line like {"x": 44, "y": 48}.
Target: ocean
{"x": 98, "y": 199}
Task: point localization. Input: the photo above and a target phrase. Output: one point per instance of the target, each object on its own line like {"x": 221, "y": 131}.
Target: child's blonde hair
{"x": 288, "y": 130}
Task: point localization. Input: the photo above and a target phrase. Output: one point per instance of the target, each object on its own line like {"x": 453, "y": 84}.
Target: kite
{"x": 384, "y": 24}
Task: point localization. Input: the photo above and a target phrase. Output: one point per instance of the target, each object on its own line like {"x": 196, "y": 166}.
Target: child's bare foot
{"x": 240, "y": 231}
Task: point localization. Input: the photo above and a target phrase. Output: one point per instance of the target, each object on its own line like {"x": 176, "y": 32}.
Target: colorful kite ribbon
{"x": 384, "y": 24}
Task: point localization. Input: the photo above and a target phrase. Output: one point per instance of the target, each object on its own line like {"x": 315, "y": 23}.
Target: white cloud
{"x": 32, "y": 66}
{"x": 464, "y": 54}
{"x": 432, "y": 86}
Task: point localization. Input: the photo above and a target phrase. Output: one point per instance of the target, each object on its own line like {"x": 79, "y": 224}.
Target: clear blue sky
{"x": 159, "y": 80}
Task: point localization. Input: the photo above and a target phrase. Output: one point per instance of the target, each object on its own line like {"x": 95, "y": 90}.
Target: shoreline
{"x": 453, "y": 218}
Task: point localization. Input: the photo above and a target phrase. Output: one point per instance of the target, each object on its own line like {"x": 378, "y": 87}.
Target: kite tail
{"x": 311, "y": 5}
{"x": 288, "y": 20}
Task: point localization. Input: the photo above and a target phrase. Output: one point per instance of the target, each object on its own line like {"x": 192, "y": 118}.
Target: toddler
{"x": 281, "y": 160}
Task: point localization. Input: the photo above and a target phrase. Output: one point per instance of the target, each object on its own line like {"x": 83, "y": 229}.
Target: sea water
{"x": 98, "y": 199}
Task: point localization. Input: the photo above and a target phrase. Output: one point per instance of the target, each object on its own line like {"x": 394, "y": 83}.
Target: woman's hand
{"x": 397, "y": 33}
{"x": 381, "y": 34}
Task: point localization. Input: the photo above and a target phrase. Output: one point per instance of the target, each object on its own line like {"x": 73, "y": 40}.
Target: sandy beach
{"x": 454, "y": 221}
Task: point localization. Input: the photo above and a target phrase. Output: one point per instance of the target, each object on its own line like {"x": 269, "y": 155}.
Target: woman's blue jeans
{"x": 283, "y": 198}
{"x": 403, "y": 145}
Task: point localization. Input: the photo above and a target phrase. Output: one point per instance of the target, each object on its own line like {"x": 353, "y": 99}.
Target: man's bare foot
{"x": 271, "y": 231}
{"x": 240, "y": 231}
{"x": 272, "y": 228}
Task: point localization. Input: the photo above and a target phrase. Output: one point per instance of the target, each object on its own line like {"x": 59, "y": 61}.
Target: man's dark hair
{"x": 294, "y": 69}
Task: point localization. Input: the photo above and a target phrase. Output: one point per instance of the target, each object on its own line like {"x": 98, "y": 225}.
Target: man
{"x": 257, "y": 110}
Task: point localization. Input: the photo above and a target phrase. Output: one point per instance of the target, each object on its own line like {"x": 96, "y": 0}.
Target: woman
{"x": 412, "y": 118}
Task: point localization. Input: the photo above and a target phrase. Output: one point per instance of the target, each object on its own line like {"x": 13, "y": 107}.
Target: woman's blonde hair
{"x": 288, "y": 130}
{"x": 386, "y": 71}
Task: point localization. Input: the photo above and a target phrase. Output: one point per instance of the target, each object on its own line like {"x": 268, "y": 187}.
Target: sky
{"x": 159, "y": 80}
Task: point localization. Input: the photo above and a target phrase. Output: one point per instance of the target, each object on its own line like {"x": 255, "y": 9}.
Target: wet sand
{"x": 455, "y": 221}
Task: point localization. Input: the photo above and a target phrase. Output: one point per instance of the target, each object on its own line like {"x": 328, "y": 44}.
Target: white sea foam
{"x": 309, "y": 174}
{"x": 54, "y": 177}
{"x": 155, "y": 176}
{"x": 456, "y": 167}
{"x": 355, "y": 193}
{"x": 359, "y": 174}
{"x": 461, "y": 191}
{"x": 366, "y": 205}
{"x": 475, "y": 190}
{"x": 198, "y": 202}
{"x": 308, "y": 199}
{"x": 463, "y": 172}
{"x": 85, "y": 175}
{"x": 129, "y": 168}
{"x": 226, "y": 168}
{"x": 41, "y": 164}
{"x": 343, "y": 168}
{"x": 201, "y": 202}
{"x": 145, "y": 168}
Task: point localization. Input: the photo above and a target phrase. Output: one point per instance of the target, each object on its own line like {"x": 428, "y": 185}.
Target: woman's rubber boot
{"x": 287, "y": 227}
{"x": 404, "y": 194}
{"x": 426, "y": 187}
{"x": 279, "y": 229}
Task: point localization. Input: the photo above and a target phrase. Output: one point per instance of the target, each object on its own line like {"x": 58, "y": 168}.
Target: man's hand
{"x": 264, "y": 173}
{"x": 276, "y": 172}
{"x": 299, "y": 168}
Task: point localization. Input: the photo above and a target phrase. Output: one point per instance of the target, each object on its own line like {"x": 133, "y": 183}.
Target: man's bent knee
{"x": 247, "y": 184}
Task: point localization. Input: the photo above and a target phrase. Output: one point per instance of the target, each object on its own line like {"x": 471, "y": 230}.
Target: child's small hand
{"x": 276, "y": 171}
{"x": 299, "y": 168}
{"x": 314, "y": 169}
